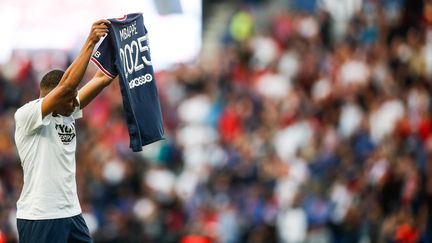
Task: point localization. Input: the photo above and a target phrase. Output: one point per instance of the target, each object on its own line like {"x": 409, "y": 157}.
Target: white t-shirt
{"x": 47, "y": 151}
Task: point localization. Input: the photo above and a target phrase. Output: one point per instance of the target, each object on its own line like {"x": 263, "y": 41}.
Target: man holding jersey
{"x": 48, "y": 209}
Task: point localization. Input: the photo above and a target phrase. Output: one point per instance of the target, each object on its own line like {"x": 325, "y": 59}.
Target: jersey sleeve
{"x": 77, "y": 113}
{"x": 29, "y": 117}
{"x": 104, "y": 57}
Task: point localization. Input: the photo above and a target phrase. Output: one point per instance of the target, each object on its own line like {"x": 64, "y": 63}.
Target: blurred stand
{"x": 302, "y": 121}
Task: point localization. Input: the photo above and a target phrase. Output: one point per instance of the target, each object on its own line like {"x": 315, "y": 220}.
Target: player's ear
{"x": 75, "y": 102}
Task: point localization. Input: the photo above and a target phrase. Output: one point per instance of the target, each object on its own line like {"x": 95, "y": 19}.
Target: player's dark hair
{"x": 50, "y": 80}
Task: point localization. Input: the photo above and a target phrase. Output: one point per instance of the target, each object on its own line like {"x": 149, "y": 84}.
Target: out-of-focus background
{"x": 286, "y": 121}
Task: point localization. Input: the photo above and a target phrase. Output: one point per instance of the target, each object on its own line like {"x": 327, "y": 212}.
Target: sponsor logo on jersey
{"x": 140, "y": 80}
{"x": 66, "y": 133}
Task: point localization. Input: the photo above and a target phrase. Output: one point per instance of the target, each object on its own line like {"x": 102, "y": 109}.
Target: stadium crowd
{"x": 312, "y": 124}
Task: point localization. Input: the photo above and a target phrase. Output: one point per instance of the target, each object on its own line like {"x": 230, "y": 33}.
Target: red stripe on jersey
{"x": 96, "y": 62}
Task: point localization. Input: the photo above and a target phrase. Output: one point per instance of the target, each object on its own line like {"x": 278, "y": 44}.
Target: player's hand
{"x": 98, "y": 30}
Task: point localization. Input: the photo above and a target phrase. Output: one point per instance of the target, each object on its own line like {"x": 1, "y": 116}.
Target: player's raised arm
{"x": 75, "y": 72}
{"x": 93, "y": 88}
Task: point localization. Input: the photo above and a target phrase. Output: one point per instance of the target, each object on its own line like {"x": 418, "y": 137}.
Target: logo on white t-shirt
{"x": 66, "y": 132}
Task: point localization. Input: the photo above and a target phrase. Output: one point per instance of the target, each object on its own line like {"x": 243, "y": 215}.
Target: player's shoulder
{"x": 30, "y": 104}
{"x": 27, "y": 108}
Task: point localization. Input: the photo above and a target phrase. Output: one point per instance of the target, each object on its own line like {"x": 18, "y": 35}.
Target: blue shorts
{"x": 64, "y": 230}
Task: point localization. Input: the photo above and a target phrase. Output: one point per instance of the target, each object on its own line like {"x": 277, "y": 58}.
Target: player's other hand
{"x": 98, "y": 30}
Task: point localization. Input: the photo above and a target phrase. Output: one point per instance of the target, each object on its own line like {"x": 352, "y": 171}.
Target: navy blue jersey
{"x": 125, "y": 52}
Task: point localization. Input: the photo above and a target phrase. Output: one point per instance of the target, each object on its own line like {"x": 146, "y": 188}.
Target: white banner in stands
{"x": 174, "y": 25}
